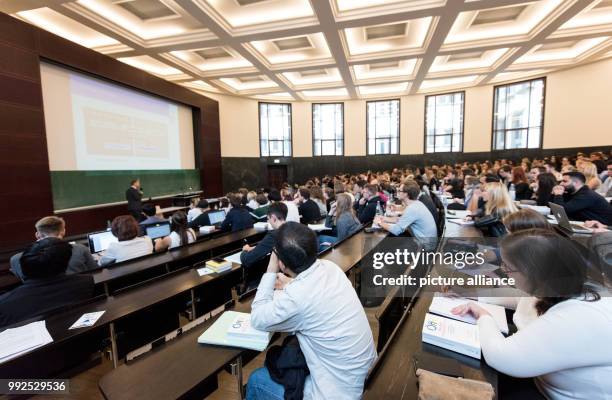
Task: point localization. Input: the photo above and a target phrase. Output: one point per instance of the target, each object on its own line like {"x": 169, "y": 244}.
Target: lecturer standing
{"x": 134, "y": 198}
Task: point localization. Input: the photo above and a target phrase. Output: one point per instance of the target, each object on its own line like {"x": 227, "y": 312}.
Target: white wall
{"x": 578, "y": 113}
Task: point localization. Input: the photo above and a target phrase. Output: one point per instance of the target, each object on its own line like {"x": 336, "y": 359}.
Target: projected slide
{"x": 105, "y": 126}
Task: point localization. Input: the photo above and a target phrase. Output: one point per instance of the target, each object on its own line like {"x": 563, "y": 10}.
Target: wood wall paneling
{"x": 26, "y": 186}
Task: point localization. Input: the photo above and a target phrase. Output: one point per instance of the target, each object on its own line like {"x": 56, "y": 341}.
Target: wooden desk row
{"x": 394, "y": 376}
{"x": 178, "y": 368}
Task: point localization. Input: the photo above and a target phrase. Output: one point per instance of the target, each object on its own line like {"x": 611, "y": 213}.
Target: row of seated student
{"x": 366, "y": 193}
{"x": 563, "y": 319}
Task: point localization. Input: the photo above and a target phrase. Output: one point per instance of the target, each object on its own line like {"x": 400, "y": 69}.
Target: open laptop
{"x": 216, "y": 217}
{"x": 99, "y": 241}
{"x": 158, "y": 230}
{"x": 564, "y": 222}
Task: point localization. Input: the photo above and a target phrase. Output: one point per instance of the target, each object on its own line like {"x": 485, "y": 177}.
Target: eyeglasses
{"x": 506, "y": 269}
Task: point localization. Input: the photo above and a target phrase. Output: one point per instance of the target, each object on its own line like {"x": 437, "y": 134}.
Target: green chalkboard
{"x": 87, "y": 188}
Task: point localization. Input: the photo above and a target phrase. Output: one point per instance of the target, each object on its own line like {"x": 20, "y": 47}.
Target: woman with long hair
{"x": 546, "y": 182}
{"x": 521, "y": 184}
{"x": 590, "y": 173}
{"x": 181, "y": 234}
{"x": 341, "y": 219}
{"x": 497, "y": 205}
{"x": 316, "y": 195}
{"x": 565, "y": 346}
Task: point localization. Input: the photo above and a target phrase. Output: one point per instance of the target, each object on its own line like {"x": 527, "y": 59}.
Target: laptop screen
{"x": 216, "y": 217}
{"x": 158, "y": 230}
{"x": 100, "y": 241}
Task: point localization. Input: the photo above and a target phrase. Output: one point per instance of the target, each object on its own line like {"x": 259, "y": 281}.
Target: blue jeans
{"x": 262, "y": 387}
{"x": 326, "y": 239}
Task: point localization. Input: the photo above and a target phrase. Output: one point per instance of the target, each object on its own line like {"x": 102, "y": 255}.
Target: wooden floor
{"x": 85, "y": 385}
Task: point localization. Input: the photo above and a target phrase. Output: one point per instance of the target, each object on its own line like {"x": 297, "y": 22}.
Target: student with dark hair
{"x": 367, "y": 204}
{"x": 180, "y": 235}
{"x": 454, "y": 185}
{"x": 262, "y": 206}
{"x": 202, "y": 219}
{"x": 308, "y": 209}
{"x": 277, "y": 215}
{"x": 46, "y": 285}
{"x": 129, "y": 245}
{"x": 314, "y": 299}
{"x": 580, "y": 202}
{"x": 416, "y": 216}
{"x": 565, "y": 344}
{"x": 53, "y": 226}
{"x": 505, "y": 174}
{"x": 525, "y": 218}
{"x": 546, "y": 183}
{"x": 238, "y": 217}
{"x": 152, "y": 214}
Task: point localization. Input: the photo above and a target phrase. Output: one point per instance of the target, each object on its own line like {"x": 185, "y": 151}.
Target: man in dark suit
{"x": 46, "y": 285}
{"x": 134, "y": 198}
{"x": 309, "y": 210}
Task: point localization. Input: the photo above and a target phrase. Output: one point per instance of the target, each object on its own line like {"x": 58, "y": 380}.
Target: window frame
{"x": 259, "y": 103}
{"x": 399, "y": 125}
{"x": 452, "y": 134}
{"x": 541, "y": 143}
{"x": 321, "y": 140}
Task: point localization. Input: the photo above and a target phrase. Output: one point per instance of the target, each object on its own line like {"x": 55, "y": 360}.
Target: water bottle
{"x": 379, "y": 210}
{"x": 108, "y": 224}
{"x": 512, "y": 192}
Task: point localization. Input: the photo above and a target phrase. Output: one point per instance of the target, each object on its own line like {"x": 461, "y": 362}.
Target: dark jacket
{"x": 80, "y": 261}
{"x": 200, "y": 220}
{"x": 287, "y": 366}
{"x": 38, "y": 296}
{"x": 263, "y": 248}
{"x": 522, "y": 191}
{"x": 309, "y": 212}
{"x": 237, "y": 219}
{"x": 456, "y": 188}
{"x": 585, "y": 205}
{"x": 366, "y": 212}
{"x": 427, "y": 200}
{"x": 134, "y": 199}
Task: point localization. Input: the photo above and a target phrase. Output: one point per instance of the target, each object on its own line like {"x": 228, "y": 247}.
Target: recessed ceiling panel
{"x": 151, "y": 65}
{"x": 391, "y": 38}
{"x": 305, "y": 48}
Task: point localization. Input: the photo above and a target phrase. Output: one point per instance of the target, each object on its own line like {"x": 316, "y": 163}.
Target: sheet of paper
{"x": 205, "y": 271}
{"x": 16, "y": 341}
{"x": 318, "y": 227}
{"x": 461, "y": 222}
{"x": 87, "y": 319}
{"x": 235, "y": 258}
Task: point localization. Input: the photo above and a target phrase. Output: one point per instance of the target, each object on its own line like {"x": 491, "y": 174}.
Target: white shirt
{"x": 293, "y": 213}
{"x": 524, "y": 307}
{"x": 175, "y": 239}
{"x": 567, "y": 349}
{"x": 127, "y": 249}
{"x": 252, "y": 204}
{"x": 322, "y": 308}
{"x": 193, "y": 214}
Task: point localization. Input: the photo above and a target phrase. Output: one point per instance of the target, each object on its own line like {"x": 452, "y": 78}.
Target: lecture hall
{"x": 306, "y": 199}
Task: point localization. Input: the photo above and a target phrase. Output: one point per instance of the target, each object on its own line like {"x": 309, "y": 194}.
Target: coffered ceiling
{"x": 332, "y": 49}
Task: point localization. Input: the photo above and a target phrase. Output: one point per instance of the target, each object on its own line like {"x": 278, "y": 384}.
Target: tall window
{"x": 328, "y": 129}
{"x": 383, "y": 126}
{"x": 444, "y": 123}
{"x": 518, "y": 117}
{"x": 275, "y": 129}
